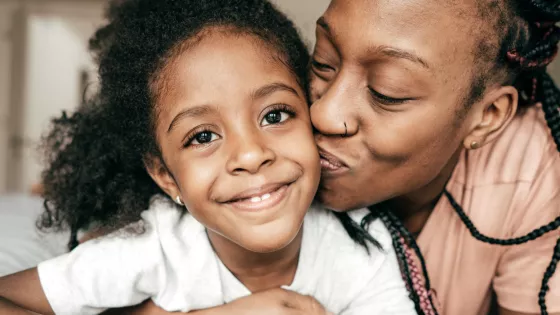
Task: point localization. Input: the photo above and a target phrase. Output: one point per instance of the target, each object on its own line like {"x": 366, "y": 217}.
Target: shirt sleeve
{"x": 385, "y": 293}
{"x": 121, "y": 269}
{"x": 521, "y": 268}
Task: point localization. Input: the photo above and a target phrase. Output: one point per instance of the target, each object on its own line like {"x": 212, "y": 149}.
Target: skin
{"x": 223, "y": 128}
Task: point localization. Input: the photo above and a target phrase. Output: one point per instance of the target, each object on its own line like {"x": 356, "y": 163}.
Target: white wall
{"x": 304, "y": 13}
{"x": 7, "y": 11}
{"x": 55, "y": 57}
{"x": 46, "y": 52}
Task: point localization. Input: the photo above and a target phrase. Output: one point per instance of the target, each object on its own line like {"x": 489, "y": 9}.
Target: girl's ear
{"x": 500, "y": 106}
{"x": 161, "y": 175}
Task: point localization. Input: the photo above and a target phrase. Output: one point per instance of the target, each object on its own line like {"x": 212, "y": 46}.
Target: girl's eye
{"x": 387, "y": 100}
{"x": 275, "y": 117}
{"x": 203, "y": 137}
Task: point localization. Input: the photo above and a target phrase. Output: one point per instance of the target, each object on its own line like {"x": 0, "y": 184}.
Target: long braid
{"x": 407, "y": 238}
{"x": 401, "y": 255}
{"x": 517, "y": 241}
{"x": 550, "y": 98}
{"x": 547, "y": 275}
{"x": 401, "y": 239}
{"x": 536, "y": 233}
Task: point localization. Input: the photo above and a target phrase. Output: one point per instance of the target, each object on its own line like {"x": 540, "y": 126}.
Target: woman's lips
{"x": 331, "y": 163}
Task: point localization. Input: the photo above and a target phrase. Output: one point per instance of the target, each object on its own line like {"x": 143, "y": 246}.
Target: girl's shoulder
{"x": 325, "y": 222}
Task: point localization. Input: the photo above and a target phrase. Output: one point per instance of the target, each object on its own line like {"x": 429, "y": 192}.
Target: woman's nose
{"x": 331, "y": 113}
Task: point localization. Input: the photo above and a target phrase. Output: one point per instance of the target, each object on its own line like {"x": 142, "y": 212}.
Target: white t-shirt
{"x": 173, "y": 263}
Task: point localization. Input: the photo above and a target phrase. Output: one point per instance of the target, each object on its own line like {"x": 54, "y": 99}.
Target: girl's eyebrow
{"x": 196, "y": 111}
{"x": 272, "y": 88}
{"x": 202, "y": 110}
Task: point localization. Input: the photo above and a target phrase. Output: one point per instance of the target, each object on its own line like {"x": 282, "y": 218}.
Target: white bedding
{"x": 22, "y": 246}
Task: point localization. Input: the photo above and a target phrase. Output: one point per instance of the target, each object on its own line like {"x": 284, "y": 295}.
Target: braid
{"x": 412, "y": 243}
{"x": 544, "y": 9}
{"x": 536, "y": 233}
{"x": 401, "y": 256}
{"x": 547, "y": 275}
{"x": 550, "y": 98}
{"x": 401, "y": 239}
{"x": 516, "y": 241}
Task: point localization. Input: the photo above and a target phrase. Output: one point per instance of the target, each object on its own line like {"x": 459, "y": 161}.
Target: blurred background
{"x": 45, "y": 68}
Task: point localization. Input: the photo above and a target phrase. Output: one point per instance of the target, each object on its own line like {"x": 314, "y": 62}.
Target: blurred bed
{"x": 22, "y": 246}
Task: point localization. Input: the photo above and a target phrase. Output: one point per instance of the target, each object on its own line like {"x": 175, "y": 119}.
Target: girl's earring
{"x": 179, "y": 201}
{"x": 475, "y": 145}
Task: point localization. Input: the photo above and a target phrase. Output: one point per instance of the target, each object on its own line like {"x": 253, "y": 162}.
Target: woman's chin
{"x": 337, "y": 200}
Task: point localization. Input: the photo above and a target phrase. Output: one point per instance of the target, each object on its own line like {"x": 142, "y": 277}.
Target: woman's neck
{"x": 258, "y": 271}
{"x": 415, "y": 208}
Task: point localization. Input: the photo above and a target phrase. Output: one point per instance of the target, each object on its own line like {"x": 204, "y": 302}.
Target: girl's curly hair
{"x": 95, "y": 172}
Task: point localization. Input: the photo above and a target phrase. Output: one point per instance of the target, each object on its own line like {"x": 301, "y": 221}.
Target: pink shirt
{"x": 507, "y": 188}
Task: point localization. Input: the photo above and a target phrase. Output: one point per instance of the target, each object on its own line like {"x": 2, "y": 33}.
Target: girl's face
{"x": 235, "y": 134}
{"x": 388, "y": 84}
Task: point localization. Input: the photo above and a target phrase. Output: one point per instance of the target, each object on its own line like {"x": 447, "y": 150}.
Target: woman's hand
{"x": 270, "y": 302}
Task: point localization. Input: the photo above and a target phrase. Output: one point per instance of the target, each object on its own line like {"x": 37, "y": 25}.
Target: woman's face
{"x": 389, "y": 82}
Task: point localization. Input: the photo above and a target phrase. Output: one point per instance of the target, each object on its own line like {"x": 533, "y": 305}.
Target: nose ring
{"x": 345, "y": 130}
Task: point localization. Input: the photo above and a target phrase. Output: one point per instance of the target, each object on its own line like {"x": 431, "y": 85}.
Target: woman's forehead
{"x": 437, "y": 33}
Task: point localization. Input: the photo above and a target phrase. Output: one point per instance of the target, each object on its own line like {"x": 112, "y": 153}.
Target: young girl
{"x": 203, "y": 102}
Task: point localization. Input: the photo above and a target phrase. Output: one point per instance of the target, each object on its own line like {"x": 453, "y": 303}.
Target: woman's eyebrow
{"x": 322, "y": 22}
{"x": 398, "y": 53}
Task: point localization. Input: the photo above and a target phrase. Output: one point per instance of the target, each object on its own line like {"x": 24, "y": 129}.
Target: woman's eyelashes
{"x": 386, "y": 100}
{"x": 274, "y": 115}
{"x": 321, "y": 66}
{"x": 321, "y": 70}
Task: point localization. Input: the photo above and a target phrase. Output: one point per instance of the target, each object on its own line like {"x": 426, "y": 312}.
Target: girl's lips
{"x": 265, "y": 201}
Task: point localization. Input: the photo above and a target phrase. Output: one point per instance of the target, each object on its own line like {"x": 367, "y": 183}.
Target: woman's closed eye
{"x": 387, "y": 100}
{"x": 321, "y": 66}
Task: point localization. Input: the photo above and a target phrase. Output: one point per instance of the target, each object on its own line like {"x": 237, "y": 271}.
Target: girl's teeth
{"x": 261, "y": 198}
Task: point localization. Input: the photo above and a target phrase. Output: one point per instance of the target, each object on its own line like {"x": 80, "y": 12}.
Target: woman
{"x": 423, "y": 107}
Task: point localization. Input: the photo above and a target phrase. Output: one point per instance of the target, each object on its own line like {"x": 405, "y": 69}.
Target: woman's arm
{"x": 22, "y": 292}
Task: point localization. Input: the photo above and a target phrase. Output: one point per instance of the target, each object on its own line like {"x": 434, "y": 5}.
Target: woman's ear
{"x": 498, "y": 109}
{"x": 158, "y": 171}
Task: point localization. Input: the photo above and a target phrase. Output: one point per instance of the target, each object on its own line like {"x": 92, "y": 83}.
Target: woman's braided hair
{"x": 528, "y": 45}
